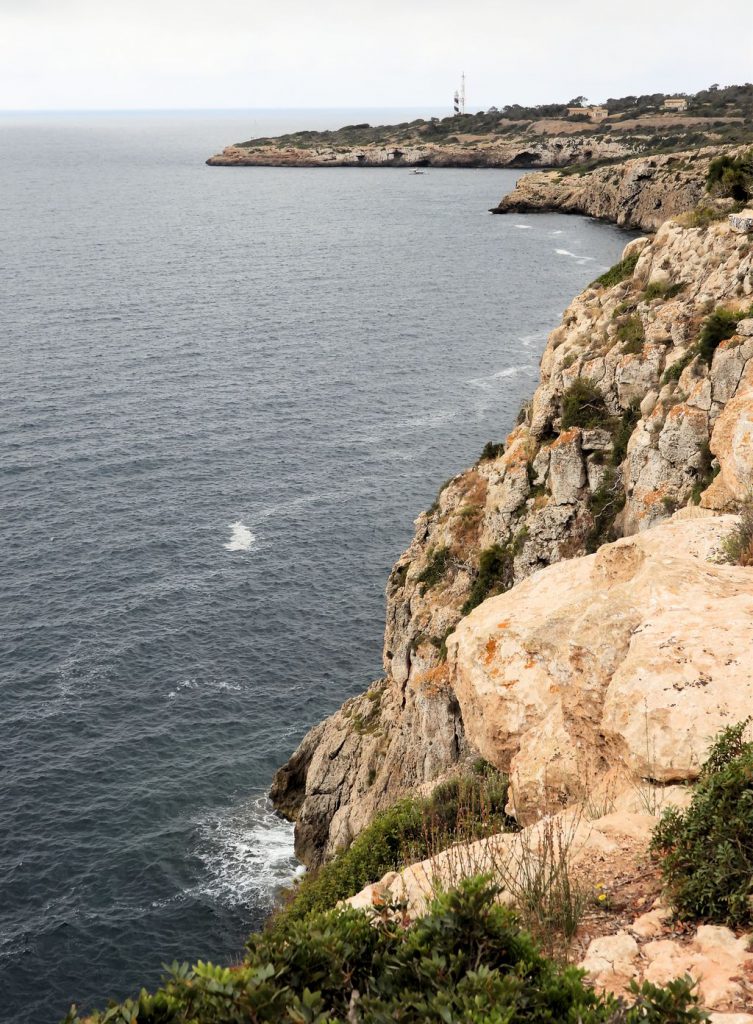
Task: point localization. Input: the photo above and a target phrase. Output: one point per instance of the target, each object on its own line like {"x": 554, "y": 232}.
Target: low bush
{"x": 605, "y": 504}
{"x": 466, "y": 807}
{"x": 465, "y": 961}
{"x": 492, "y": 450}
{"x": 731, "y": 176}
{"x": 495, "y": 574}
{"x": 738, "y": 547}
{"x": 630, "y": 332}
{"x": 583, "y": 405}
{"x": 702, "y": 217}
{"x": 717, "y": 327}
{"x": 706, "y": 851}
{"x": 623, "y": 429}
{"x": 436, "y": 568}
{"x": 674, "y": 372}
{"x": 619, "y": 272}
{"x": 662, "y": 290}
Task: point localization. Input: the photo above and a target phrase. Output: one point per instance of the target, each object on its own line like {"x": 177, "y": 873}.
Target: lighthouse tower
{"x": 459, "y": 98}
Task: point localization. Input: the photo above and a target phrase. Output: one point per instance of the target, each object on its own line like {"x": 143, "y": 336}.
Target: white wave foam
{"x": 523, "y": 227}
{"x": 205, "y": 684}
{"x": 529, "y": 339}
{"x": 556, "y": 233}
{"x": 247, "y": 855}
{"x": 241, "y": 538}
{"x": 486, "y": 382}
{"x": 574, "y": 255}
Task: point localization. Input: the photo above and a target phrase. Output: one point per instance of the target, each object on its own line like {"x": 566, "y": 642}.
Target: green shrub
{"x": 630, "y": 332}
{"x": 717, "y": 327}
{"x": 674, "y": 372}
{"x": 619, "y": 272}
{"x": 662, "y": 290}
{"x": 492, "y": 450}
{"x": 705, "y": 474}
{"x": 465, "y": 962}
{"x": 706, "y": 851}
{"x": 605, "y": 505}
{"x": 495, "y": 574}
{"x": 738, "y": 547}
{"x": 731, "y": 176}
{"x": 436, "y": 568}
{"x": 623, "y": 430}
{"x": 466, "y": 807}
{"x": 583, "y": 405}
{"x": 702, "y": 216}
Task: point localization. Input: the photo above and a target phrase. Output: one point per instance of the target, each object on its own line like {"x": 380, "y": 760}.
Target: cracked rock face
{"x": 672, "y": 430}
{"x": 636, "y": 656}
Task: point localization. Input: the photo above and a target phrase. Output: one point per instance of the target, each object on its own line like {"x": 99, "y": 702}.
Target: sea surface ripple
{"x": 226, "y": 394}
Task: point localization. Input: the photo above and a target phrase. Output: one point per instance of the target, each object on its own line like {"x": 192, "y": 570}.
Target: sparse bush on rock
{"x": 707, "y": 850}
{"x": 583, "y": 405}
{"x": 738, "y": 547}
{"x": 619, "y": 272}
{"x": 466, "y": 807}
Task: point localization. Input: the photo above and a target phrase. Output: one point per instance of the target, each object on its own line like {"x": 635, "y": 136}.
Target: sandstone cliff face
{"x": 552, "y": 494}
{"x": 471, "y": 151}
{"x": 640, "y": 193}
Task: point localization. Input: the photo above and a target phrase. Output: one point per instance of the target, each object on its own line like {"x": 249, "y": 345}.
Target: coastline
{"x": 551, "y": 493}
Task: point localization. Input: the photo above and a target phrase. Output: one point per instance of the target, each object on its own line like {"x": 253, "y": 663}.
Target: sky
{"x": 168, "y": 54}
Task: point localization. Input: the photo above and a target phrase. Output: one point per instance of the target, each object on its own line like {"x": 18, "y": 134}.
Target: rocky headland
{"x": 548, "y": 135}
{"x": 638, "y": 430}
{"x": 637, "y": 193}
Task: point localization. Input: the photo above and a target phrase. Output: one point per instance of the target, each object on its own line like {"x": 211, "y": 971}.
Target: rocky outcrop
{"x": 465, "y": 151}
{"x": 663, "y": 429}
{"x": 640, "y": 193}
{"x": 629, "y": 661}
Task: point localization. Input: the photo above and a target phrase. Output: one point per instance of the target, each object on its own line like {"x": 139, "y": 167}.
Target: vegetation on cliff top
{"x": 728, "y": 111}
{"x": 465, "y": 961}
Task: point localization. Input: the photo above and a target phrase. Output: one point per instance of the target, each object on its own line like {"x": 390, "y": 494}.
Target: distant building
{"x": 742, "y": 221}
{"x": 678, "y": 104}
{"x": 594, "y": 113}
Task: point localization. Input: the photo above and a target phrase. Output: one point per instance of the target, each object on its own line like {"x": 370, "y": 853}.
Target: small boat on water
{"x": 417, "y": 170}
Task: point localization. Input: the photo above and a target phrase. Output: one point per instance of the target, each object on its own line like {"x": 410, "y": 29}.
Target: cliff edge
{"x": 643, "y": 408}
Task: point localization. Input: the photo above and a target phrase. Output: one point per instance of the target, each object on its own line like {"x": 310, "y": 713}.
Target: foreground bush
{"x": 707, "y": 850}
{"x": 464, "y": 808}
{"x": 738, "y": 547}
{"x": 466, "y": 962}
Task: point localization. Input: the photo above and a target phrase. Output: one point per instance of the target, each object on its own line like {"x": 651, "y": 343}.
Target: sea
{"x": 225, "y": 395}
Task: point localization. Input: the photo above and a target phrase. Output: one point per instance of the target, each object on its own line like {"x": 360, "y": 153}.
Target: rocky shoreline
{"x": 638, "y": 193}
{"x": 470, "y": 151}
{"x": 672, "y": 427}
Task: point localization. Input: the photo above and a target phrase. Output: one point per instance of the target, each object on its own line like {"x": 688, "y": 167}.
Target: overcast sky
{"x": 94, "y": 54}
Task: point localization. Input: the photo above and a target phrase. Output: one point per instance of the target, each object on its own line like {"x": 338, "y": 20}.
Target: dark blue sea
{"x": 225, "y": 396}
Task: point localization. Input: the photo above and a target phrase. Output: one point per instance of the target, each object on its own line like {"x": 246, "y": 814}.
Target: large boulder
{"x": 628, "y": 661}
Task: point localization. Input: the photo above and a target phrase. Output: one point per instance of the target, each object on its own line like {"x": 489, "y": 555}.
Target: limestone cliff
{"x": 640, "y": 193}
{"x": 630, "y": 422}
{"x": 522, "y": 150}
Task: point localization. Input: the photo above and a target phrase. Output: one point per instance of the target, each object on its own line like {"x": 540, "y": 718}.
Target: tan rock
{"x": 609, "y": 659}
{"x": 649, "y": 925}
{"x": 610, "y": 961}
{"x": 732, "y": 443}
